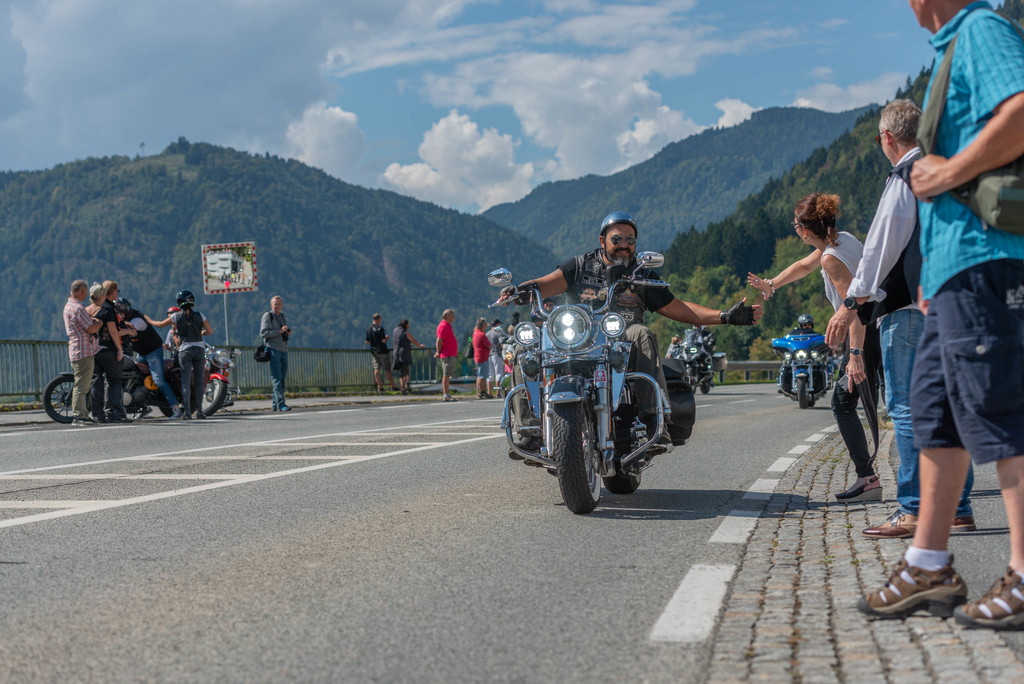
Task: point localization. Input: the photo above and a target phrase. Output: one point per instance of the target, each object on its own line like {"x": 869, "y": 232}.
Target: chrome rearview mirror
{"x": 650, "y": 259}
{"x": 500, "y": 277}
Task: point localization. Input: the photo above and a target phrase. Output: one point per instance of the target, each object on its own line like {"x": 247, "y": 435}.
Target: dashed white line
{"x": 800, "y": 448}
{"x": 762, "y": 489}
{"x": 830, "y": 428}
{"x": 736, "y": 527}
{"x": 691, "y": 614}
{"x": 781, "y": 465}
{"x": 816, "y": 437}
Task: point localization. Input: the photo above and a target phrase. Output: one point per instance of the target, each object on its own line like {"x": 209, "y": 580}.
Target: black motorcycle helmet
{"x": 617, "y": 217}
{"x": 186, "y": 300}
{"x": 123, "y": 307}
{"x": 805, "y": 320}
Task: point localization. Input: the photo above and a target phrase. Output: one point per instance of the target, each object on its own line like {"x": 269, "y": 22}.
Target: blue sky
{"x": 465, "y": 103}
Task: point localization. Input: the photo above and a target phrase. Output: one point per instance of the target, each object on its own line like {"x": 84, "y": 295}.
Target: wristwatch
{"x": 851, "y": 304}
{"x": 854, "y": 351}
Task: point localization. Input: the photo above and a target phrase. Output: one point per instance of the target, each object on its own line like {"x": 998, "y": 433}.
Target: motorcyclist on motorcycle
{"x": 148, "y": 344}
{"x": 804, "y": 325}
{"x": 585, "y": 279}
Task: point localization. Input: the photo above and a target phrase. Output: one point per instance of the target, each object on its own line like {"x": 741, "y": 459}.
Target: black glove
{"x": 519, "y": 296}
{"x": 739, "y": 314}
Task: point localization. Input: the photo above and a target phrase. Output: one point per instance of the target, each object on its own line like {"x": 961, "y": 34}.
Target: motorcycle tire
{"x": 576, "y": 459}
{"x": 57, "y": 399}
{"x": 801, "y": 393}
{"x": 213, "y": 399}
{"x": 705, "y": 387}
{"x": 622, "y": 484}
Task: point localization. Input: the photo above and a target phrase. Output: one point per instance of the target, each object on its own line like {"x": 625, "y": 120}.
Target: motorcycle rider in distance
{"x": 675, "y": 347}
{"x": 584, "y": 279}
{"x": 804, "y": 325}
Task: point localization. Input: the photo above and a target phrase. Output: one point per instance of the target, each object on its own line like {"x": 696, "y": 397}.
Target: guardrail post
{"x": 38, "y": 385}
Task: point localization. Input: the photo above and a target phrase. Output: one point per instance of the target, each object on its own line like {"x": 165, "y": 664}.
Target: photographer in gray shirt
{"x": 275, "y": 332}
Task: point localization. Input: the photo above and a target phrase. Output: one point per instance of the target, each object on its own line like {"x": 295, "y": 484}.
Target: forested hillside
{"x": 688, "y": 183}
{"x": 334, "y": 251}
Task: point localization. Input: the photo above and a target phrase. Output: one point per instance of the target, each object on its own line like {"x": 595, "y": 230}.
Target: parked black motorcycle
{"x": 577, "y": 384}
{"x": 141, "y": 392}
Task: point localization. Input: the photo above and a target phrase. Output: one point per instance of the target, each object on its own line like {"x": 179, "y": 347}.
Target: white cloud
{"x": 647, "y": 136}
{"x": 821, "y": 73}
{"x": 834, "y": 23}
{"x": 463, "y": 166}
{"x": 733, "y": 112}
{"x": 833, "y": 98}
{"x": 328, "y": 138}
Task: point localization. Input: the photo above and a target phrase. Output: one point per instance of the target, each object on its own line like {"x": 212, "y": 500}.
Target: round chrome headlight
{"x": 788, "y": 356}
{"x": 526, "y": 334}
{"x": 221, "y": 357}
{"x": 613, "y": 325}
{"x": 801, "y": 354}
{"x": 814, "y": 354}
{"x": 570, "y": 327}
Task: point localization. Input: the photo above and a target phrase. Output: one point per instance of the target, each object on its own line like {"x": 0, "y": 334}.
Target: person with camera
{"x": 275, "y": 332}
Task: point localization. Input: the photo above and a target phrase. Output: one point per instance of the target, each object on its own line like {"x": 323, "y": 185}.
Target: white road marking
{"x": 800, "y": 448}
{"x": 265, "y": 442}
{"x": 762, "y": 489}
{"x": 691, "y": 614}
{"x": 781, "y": 465}
{"x": 270, "y": 457}
{"x": 122, "y": 476}
{"x": 105, "y": 505}
{"x": 816, "y": 437}
{"x": 736, "y": 527}
{"x": 830, "y": 429}
{"x": 46, "y": 504}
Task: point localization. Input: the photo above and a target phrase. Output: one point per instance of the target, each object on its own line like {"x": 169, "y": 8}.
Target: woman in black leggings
{"x": 190, "y": 326}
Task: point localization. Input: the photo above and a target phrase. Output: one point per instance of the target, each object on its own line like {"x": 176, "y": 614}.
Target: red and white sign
{"x": 229, "y": 267}
{"x": 599, "y": 375}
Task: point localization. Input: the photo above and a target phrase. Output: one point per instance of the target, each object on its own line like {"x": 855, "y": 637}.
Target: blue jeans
{"x": 278, "y": 371}
{"x": 155, "y": 361}
{"x": 900, "y": 333}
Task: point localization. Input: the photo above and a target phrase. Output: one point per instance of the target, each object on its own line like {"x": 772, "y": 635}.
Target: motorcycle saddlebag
{"x": 681, "y": 402}
{"x": 721, "y": 363}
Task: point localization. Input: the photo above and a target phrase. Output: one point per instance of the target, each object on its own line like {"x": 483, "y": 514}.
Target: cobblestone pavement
{"x": 790, "y": 616}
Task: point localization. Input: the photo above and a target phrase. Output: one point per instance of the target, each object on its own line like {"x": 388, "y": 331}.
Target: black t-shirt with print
{"x": 586, "y": 273}
{"x": 376, "y": 336}
{"x": 107, "y": 314}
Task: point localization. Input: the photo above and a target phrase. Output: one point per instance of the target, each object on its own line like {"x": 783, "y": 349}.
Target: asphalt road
{"x": 384, "y": 544}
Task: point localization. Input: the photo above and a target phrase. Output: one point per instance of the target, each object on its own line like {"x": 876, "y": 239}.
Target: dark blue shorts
{"x": 968, "y": 384}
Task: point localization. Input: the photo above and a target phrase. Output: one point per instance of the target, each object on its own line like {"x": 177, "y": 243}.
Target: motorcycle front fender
{"x": 566, "y": 389}
{"x": 218, "y": 376}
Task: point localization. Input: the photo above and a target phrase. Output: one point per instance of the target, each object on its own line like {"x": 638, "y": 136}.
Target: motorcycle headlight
{"x": 613, "y": 325}
{"x": 788, "y": 356}
{"x": 569, "y": 326}
{"x": 221, "y": 357}
{"x": 526, "y": 334}
{"x": 693, "y": 350}
{"x": 815, "y": 355}
{"x": 801, "y": 354}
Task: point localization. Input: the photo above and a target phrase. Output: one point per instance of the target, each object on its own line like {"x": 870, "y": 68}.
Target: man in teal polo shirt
{"x": 967, "y": 396}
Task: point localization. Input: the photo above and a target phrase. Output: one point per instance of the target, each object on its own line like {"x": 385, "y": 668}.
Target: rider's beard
{"x": 617, "y": 257}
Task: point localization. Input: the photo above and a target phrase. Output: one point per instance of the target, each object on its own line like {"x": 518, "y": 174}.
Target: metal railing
{"x": 27, "y": 366}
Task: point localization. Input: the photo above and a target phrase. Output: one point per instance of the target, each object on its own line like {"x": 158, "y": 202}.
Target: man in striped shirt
{"x": 82, "y": 347}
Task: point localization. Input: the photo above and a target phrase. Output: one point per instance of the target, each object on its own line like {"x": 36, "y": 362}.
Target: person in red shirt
{"x": 447, "y": 351}
{"x": 481, "y": 354}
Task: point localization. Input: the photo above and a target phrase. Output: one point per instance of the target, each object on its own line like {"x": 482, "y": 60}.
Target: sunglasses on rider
{"x": 619, "y": 239}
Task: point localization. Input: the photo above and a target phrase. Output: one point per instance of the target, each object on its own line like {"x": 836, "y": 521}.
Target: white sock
{"x": 926, "y": 559}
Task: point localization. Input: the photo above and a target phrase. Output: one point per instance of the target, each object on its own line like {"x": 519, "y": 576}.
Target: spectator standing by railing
{"x": 447, "y": 351}
{"x": 378, "y": 338}
{"x": 481, "y": 355}
{"x": 81, "y": 329}
{"x": 403, "y": 341}
{"x": 275, "y": 333}
{"x": 497, "y": 360}
{"x": 107, "y": 402}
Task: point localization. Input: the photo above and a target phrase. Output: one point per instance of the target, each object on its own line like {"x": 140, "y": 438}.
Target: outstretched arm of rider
{"x": 792, "y": 273}
{"x": 689, "y": 312}
{"x": 550, "y": 285}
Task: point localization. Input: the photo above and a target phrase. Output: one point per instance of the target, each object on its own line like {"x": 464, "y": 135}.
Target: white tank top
{"x": 848, "y": 250}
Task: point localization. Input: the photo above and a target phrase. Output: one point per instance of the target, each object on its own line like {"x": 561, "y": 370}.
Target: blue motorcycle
{"x": 808, "y": 366}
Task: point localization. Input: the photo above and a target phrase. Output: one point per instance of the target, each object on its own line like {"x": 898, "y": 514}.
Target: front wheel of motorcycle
{"x": 575, "y": 457}
{"x": 216, "y": 393}
{"x": 803, "y": 396}
{"x": 57, "y": 399}
{"x": 705, "y": 387}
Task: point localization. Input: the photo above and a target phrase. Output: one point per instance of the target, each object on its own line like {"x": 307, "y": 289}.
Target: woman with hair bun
{"x": 838, "y": 253}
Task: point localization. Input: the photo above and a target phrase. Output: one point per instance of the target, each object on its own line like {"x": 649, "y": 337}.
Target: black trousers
{"x": 107, "y": 387}
{"x": 844, "y": 403}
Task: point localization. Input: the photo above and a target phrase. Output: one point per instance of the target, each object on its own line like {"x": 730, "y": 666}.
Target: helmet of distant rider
{"x": 186, "y": 299}
{"x": 805, "y": 320}
{"x": 617, "y": 217}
